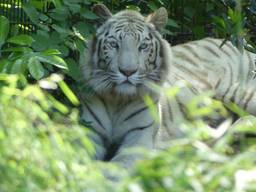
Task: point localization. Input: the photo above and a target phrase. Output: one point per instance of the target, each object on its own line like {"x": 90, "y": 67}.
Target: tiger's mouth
{"x": 128, "y": 82}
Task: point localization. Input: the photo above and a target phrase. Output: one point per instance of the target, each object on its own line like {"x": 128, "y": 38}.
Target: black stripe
{"x": 139, "y": 28}
{"x": 217, "y": 84}
{"x": 213, "y": 41}
{"x": 251, "y": 64}
{"x": 195, "y": 75}
{"x": 119, "y": 27}
{"x": 232, "y": 47}
{"x": 231, "y": 79}
{"x": 170, "y": 110}
{"x": 211, "y": 51}
{"x": 192, "y": 51}
{"x": 226, "y": 53}
{"x": 234, "y": 94}
{"x": 226, "y": 92}
{"x": 186, "y": 58}
{"x": 139, "y": 128}
{"x": 94, "y": 43}
{"x": 99, "y": 47}
{"x": 95, "y": 116}
{"x": 248, "y": 99}
{"x": 135, "y": 113}
{"x": 183, "y": 109}
{"x": 167, "y": 128}
{"x": 195, "y": 54}
{"x": 156, "y": 54}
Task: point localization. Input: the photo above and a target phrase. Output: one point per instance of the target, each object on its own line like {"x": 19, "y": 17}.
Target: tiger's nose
{"x": 127, "y": 72}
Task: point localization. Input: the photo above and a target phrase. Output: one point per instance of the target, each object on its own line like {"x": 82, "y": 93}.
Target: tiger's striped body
{"x": 127, "y": 55}
{"x": 206, "y": 66}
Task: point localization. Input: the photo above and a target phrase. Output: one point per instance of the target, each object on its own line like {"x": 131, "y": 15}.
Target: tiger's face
{"x": 126, "y": 55}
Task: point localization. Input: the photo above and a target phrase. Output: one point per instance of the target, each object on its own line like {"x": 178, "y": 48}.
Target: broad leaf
{"x": 3, "y": 64}
{"x": 31, "y": 12}
{"x": 53, "y": 60}
{"x": 172, "y": 23}
{"x": 21, "y": 40}
{"x": 35, "y": 68}
{"x": 18, "y": 66}
{"x": 87, "y": 14}
{"x": 34, "y": 15}
{"x": 18, "y": 49}
{"x": 4, "y": 29}
{"x": 67, "y": 91}
{"x": 73, "y": 70}
{"x": 52, "y": 52}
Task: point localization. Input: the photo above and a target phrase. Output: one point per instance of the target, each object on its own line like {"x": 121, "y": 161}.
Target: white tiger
{"x": 127, "y": 55}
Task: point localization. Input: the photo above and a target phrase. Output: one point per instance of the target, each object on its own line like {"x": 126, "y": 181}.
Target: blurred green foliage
{"x": 44, "y": 148}
{"x": 41, "y": 149}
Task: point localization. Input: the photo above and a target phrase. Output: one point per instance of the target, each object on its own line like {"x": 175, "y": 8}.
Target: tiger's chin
{"x": 126, "y": 89}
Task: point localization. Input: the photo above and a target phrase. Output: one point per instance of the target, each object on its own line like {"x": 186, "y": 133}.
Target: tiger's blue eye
{"x": 113, "y": 44}
{"x": 143, "y": 46}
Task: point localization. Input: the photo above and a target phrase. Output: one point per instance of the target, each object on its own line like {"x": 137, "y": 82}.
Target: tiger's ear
{"x": 159, "y": 18}
{"x": 102, "y": 11}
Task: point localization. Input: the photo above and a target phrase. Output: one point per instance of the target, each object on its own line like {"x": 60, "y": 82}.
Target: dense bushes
{"x": 44, "y": 148}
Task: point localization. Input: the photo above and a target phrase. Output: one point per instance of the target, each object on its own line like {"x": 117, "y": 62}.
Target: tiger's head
{"x": 127, "y": 52}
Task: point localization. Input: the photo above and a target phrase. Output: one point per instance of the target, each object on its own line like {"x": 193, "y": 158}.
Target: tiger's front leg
{"x": 134, "y": 127}
{"x": 96, "y": 117}
{"x": 135, "y": 139}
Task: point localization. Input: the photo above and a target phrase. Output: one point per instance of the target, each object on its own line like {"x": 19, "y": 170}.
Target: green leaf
{"x": 57, "y": 3}
{"x": 31, "y": 12}
{"x": 35, "y": 68}
{"x": 172, "y": 23}
{"x": 152, "y": 107}
{"x": 58, "y": 105}
{"x": 14, "y": 30}
{"x": 21, "y": 40}
{"x": 67, "y": 91}
{"x": 87, "y": 14}
{"x": 4, "y": 29}
{"x": 18, "y": 66}
{"x": 34, "y": 15}
{"x": 18, "y": 49}
{"x": 41, "y": 42}
{"x": 133, "y": 7}
{"x": 85, "y": 29}
{"x": 60, "y": 14}
{"x": 73, "y": 70}
{"x": 167, "y": 32}
{"x": 199, "y": 31}
{"x": 61, "y": 29}
{"x": 189, "y": 11}
{"x": 74, "y": 7}
{"x": 152, "y": 5}
{"x": 52, "y": 52}
{"x": 53, "y": 60}
{"x": 3, "y": 64}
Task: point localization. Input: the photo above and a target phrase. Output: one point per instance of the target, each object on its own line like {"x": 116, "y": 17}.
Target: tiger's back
{"x": 205, "y": 66}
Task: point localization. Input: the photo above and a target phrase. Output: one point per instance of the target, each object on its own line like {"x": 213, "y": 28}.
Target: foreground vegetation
{"x": 44, "y": 147}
